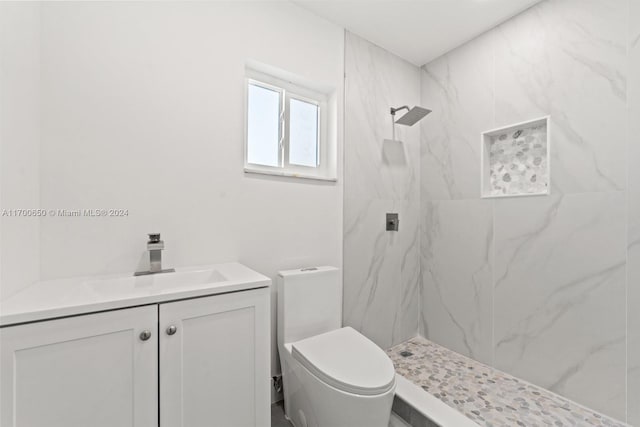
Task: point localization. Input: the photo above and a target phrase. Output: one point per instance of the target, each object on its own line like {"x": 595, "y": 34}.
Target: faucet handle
{"x": 154, "y": 237}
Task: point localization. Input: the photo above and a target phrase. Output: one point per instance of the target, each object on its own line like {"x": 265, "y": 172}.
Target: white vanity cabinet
{"x": 201, "y": 361}
{"x": 214, "y": 362}
{"x": 91, "y": 370}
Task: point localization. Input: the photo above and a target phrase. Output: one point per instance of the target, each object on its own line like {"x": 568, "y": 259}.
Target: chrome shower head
{"x": 413, "y": 115}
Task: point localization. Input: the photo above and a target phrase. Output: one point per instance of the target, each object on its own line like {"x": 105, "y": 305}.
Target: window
{"x": 286, "y": 129}
{"x": 264, "y": 131}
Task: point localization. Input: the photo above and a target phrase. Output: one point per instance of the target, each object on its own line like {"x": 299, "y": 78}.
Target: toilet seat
{"x": 347, "y": 360}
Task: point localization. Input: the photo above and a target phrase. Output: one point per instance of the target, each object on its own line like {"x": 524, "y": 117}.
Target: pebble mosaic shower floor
{"x": 485, "y": 395}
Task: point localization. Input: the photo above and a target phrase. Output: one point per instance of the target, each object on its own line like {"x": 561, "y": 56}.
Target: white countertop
{"x": 67, "y": 297}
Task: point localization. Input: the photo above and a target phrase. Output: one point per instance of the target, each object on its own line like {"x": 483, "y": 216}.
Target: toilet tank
{"x": 309, "y": 303}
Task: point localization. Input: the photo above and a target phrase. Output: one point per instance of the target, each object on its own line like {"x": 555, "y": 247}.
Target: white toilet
{"x": 333, "y": 376}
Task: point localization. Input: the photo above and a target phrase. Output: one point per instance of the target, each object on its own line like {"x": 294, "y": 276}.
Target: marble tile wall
{"x": 568, "y": 59}
{"x": 559, "y": 295}
{"x": 457, "y": 272}
{"x": 546, "y": 288}
{"x": 381, "y": 268}
{"x": 458, "y": 87}
{"x": 540, "y": 287}
{"x": 633, "y": 241}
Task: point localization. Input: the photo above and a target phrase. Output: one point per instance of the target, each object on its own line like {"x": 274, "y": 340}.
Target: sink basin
{"x": 76, "y": 295}
{"x": 155, "y": 283}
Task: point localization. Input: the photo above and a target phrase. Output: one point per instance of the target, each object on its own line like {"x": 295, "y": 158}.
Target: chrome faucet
{"x": 155, "y": 246}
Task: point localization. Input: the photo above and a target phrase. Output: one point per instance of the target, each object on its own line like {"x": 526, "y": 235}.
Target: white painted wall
{"x": 19, "y": 143}
{"x": 142, "y": 109}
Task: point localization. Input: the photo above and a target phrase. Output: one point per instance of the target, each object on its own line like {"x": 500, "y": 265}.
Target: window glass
{"x": 303, "y": 133}
{"x": 263, "y": 126}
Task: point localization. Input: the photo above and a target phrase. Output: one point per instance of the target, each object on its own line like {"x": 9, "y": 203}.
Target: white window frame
{"x": 289, "y": 91}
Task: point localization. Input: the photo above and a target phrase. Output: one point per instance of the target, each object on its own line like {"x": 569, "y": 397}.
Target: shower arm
{"x": 395, "y": 110}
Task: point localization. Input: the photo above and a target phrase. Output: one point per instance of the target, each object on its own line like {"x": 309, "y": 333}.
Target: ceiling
{"x": 417, "y": 30}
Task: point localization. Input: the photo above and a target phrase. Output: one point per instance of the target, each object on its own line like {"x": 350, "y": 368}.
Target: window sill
{"x": 290, "y": 174}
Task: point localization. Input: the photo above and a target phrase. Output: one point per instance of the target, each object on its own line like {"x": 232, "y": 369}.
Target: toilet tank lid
{"x": 347, "y": 360}
{"x": 306, "y": 270}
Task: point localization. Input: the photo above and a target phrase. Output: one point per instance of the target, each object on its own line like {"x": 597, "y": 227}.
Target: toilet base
{"x": 309, "y": 402}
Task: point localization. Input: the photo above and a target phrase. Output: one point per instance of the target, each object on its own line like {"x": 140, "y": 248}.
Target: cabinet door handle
{"x": 172, "y": 330}
{"x": 145, "y": 335}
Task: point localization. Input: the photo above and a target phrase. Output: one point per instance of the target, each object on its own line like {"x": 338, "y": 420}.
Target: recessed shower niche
{"x": 515, "y": 160}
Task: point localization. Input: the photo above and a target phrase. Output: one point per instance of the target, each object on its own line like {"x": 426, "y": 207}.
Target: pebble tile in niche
{"x": 518, "y": 161}
{"x": 485, "y": 395}
{"x": 515, "y": 160}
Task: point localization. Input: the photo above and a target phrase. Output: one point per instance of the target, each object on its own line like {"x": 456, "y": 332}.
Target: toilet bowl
{"x": 332, "y": 376}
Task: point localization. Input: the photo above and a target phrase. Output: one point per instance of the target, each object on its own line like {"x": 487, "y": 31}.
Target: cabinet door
{"x": 91, "y": 370}
{"x": 214, "y": 369}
